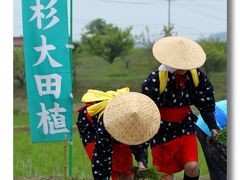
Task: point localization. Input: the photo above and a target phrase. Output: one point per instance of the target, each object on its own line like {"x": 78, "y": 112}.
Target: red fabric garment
{"x": 180, "y": 81}
{"x": 89, "y": 149}
{"x": 82, "y": 107}
{"x": 115, "y": 175}
{"x": 174, "y": 114}
{"x": 170, "y": 158}
{"x": 89, "y": 118}
{"x": 122, "y": 160}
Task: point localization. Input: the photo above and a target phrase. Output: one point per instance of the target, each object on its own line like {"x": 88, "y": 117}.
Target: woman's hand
{"x": 140, "y": 165}
{"x": 215, "y": 132}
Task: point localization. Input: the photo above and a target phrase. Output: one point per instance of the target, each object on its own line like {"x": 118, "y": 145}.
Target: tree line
{"x": 112, "y": 43}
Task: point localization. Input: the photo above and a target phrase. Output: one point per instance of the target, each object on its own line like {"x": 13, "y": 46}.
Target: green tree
{"x": 108, "y": 41}
{"x": 97, "y": 25}
{"x": 168, "y": 31}
{"x": 19, "y": 70}
{"x": 216, "y": 52}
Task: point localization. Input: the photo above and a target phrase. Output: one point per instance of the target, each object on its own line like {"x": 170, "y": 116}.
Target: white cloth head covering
{"x": 166, "y": 68}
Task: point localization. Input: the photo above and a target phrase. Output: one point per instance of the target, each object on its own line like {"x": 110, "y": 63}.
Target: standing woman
{"x": 174, "y": 87}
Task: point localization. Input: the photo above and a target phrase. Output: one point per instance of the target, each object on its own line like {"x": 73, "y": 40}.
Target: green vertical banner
{"x": 48, "y": 69}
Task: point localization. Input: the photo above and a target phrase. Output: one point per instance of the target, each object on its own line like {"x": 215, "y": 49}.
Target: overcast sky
{"x": 191, "y": 18}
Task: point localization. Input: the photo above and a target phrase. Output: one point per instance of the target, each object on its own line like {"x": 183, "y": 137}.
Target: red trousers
{"x": 170, "y": 157}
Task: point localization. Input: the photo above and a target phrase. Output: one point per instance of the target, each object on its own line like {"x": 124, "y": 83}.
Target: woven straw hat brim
{"x": 132, "y": 118}
{"x": 179, "y": 53}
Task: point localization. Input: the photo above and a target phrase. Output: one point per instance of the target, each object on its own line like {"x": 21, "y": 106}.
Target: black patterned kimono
{"x": 109, "y": 157}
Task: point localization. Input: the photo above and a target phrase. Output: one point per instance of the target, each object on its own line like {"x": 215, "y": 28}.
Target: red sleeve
{"x": 89, "y": 149}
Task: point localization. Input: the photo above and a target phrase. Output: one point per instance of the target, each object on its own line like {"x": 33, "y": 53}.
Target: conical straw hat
{"x": 132, "y": 118}
{"x": 179, "y": 53}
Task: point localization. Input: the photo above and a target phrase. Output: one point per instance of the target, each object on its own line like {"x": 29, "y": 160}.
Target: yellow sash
{"x": 104, "y": 97}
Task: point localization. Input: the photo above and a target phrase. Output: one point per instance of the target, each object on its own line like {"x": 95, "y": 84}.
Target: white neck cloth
{"x": 166, "y": 68}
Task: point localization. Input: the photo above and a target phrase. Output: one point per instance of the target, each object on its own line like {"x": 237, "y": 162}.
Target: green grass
{"x": 219, "y": 81}
{"x": 46, "y": 159}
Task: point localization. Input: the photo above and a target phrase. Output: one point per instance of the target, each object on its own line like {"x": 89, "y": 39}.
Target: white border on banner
{"x": 6, "y": 90}
{"x": 234, "y": 93}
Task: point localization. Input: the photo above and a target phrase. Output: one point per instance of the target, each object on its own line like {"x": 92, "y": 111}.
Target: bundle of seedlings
{"x": 145, "y": 174}
{"x": 222, "y": 137}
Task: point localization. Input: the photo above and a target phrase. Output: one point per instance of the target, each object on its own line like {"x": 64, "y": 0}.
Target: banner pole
{"x": 70, "y": 142}
{"x": 65, "y": 157}
{"x": 70, "y": 159}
